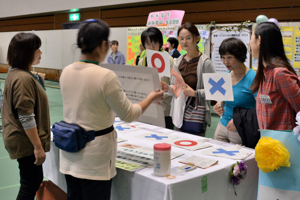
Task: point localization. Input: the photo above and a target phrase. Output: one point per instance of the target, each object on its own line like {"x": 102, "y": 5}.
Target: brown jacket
{"x": 23, "y": 95}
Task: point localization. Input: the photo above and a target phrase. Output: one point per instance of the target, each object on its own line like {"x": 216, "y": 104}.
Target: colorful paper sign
{"x": 165, "y": 18}
{"x": 160, "y": 61}
{"x": 283, "y": 183}
{"x": 134, "y": 40}
{"x": 296, "y": 63}
{"x": 218, "y": 86}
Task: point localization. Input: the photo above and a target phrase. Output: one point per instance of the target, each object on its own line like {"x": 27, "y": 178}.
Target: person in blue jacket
{"x": 234, "y": 53}
{"x": 116, "y": 57}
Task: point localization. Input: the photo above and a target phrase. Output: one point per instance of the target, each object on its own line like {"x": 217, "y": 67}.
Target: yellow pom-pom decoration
{"x": 271, "y": 154}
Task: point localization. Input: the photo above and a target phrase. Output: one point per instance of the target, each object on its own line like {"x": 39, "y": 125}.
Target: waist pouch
{"x": 72, "y": 137}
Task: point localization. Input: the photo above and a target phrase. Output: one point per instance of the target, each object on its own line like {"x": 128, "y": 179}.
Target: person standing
{"x": 152, "y": 39}
{"x": 116, "y": 57}
{"x": 234, "y": 53}
{"x": 191, "y": 66}
{"x": 25, "y": 113}
{"x": 92, "y": 96}
{"x": 173, "y": 44}
{"x": 276, "y": 82}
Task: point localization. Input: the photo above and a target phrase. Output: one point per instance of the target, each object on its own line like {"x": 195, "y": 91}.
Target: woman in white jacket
{"x": 91, "y": 97}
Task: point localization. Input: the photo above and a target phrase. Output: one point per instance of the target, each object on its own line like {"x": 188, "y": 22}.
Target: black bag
{"x": 72, "y": 137}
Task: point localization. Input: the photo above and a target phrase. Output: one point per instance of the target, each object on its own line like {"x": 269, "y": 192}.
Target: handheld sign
{"x": 159, "y": 60}
{"x": 179, "y": 83}
{"x": 218, "y": 86}
{"x": 166, "y": 17}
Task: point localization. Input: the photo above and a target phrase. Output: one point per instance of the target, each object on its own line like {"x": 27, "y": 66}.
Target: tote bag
{"x": 49, "y": 191}
{"x": 193, "y": 118}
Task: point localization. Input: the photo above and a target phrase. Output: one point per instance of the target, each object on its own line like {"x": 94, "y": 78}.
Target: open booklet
{"x": 199, "y": 162}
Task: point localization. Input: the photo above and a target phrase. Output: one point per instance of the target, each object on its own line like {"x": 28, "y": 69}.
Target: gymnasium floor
{"x": 9, "y": 172}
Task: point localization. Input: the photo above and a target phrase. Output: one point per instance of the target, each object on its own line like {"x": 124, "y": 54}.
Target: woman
{"x": 116, "y": 57}
{"x": 25, "y": 113}
{"x": 191, "y": 67}
{"x": 234, "y": 53}
{"x": 152, "y": 39}
{"x": 91, "y": 97}
{"x": 276, "y": 82}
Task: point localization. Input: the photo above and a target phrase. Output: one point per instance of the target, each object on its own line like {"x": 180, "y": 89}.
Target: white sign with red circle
{"x": 189, "y": 144}
{"x": 159, "y": 60}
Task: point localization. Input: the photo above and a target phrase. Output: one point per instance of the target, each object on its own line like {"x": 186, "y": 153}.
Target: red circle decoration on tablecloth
{"x": 163, "y": 64}
{"x": 192, "y": 143}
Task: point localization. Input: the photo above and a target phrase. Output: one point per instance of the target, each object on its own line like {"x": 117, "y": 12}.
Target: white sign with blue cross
{"x": 159, "y": 137}
{"x": 218, "y": 86}
{"x": 228, "y": 152}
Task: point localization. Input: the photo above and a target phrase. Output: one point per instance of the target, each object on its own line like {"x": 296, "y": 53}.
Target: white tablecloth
{"x": 142, "y": 185}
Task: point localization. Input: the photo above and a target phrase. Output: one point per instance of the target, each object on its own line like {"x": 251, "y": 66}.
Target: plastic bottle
{"x": 162, "y": 159}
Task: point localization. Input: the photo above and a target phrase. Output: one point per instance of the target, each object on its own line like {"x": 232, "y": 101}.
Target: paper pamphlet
{"x": 199, "y": 161}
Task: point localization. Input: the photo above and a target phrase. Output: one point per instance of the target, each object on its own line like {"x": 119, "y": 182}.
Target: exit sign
{"x": 74, "y": 17}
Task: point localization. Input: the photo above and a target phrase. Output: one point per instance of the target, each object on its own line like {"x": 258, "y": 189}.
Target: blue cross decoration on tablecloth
{"x": 217, "y": 86}
{"x": 230, "y": 153}
{"x": 117, "y": 121}
{"x": 120, "y": 128}
{"x": 156, "y": 137}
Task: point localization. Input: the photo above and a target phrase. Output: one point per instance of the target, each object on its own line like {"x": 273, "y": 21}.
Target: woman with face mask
{"x": 234, "y": 53}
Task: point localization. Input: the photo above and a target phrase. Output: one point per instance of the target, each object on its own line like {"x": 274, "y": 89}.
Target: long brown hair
{"x": 271, "y": 52}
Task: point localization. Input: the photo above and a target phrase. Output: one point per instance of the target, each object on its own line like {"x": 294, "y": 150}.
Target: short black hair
{"x": 154, "y": 35}
{"x": 91, "y": 34}
{"x": 173, "y": 41}
{"x": 114, "y": 42}
{"x": 21, "y": 50}
{"x": 234, "y": 47}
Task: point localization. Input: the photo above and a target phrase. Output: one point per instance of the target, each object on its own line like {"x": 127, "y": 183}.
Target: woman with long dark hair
{"x": 276, "y": 82}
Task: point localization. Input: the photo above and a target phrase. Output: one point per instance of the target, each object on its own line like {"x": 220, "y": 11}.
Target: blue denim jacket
{"x": 119, "y": 59}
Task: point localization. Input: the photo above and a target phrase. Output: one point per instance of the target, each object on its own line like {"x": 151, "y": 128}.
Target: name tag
{"x": 265, "y": 99}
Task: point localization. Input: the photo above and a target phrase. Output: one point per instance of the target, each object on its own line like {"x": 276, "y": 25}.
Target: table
{"x": 142, "y": 185}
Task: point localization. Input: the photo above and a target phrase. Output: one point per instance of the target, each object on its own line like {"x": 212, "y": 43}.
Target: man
{"x": 173, "y": 44}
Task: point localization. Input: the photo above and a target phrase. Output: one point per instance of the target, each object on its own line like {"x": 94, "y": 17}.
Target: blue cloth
{"x": 119, "y": 59}
{"x": 243, "y": 97}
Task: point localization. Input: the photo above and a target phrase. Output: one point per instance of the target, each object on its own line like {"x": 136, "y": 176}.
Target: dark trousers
{"x": 169, "y": 122}
{"x": 31, "y": 177}
{"x": 84, "y": 189}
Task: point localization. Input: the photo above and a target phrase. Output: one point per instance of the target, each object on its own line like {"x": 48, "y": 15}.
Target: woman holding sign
{"x": 234, "y": 53}
{"x": 276, "y": 82}
{"x": 191, "y": 66}
{"x": 152, "y": 39}
{"x": 91, "y": 96}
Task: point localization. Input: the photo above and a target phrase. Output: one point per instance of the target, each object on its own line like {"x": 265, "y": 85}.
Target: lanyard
{"x": 90, "y": 61}
{"x": 37, "y": 80}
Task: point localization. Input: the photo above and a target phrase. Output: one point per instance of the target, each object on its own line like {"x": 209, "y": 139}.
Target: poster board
{"x": 137, "y": 83}
{"x": 134, "y": 40}
{"x": 218, "y": 35}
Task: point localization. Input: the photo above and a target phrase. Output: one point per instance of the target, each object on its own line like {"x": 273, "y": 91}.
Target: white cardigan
{"x": 91, "y": 97}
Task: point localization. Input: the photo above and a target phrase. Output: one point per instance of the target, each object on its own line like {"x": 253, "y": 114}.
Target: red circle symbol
{"x": 191, "y": 143}
{"x": 163, "y": 64}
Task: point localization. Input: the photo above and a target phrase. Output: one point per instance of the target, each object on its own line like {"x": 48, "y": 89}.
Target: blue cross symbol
{"x": 116, "y": 121}
{"x": 230, "y": 153}
{"x": 120, "y": 128}
{"x": 156, "y": 137}
{"x": 217, "y": 86}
